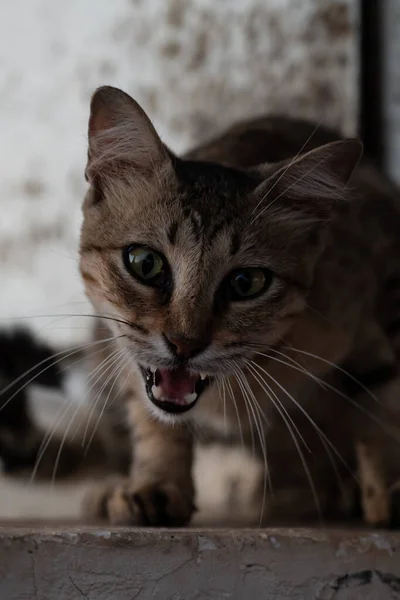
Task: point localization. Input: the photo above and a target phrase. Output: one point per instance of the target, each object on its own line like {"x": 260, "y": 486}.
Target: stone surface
{"x": 45, "y": 563}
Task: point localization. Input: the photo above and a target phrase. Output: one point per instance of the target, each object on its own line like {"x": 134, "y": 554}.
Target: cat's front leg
{"x": 160, "y": 490}
{"x": 375, "y": 496}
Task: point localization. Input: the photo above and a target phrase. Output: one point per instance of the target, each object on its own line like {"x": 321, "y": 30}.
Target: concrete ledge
{"x": 57, "y": 563}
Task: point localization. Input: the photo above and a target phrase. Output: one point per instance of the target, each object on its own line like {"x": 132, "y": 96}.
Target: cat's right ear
{"x": 121, "y": 137}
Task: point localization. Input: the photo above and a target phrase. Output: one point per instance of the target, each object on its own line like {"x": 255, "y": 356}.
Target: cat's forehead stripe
{"x": 172, "y": 231}
{"x": 235, "y": 243}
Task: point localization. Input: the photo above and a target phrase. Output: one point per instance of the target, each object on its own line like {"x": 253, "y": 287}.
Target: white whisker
{"x": 64, "y": 355}
{"x": 116, "y": 374}
{"x": 242, "y": 381}
{"x": 232, "y": 395}
{"x": 298, "y": 448}
{"x": 338, "y": 368}
{"x": 305, "y": 413}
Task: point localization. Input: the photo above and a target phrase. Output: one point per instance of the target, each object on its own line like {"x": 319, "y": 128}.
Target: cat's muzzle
{"x": 174, "y": 390}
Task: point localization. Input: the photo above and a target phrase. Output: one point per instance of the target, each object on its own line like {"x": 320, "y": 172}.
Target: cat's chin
{"x": 174, "y": 391}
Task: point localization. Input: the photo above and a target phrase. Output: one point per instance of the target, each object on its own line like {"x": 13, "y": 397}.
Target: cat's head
{"x": 201, "y": 264}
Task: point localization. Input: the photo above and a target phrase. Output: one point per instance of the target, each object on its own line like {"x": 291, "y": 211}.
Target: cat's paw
{"x": 160, "y": 504}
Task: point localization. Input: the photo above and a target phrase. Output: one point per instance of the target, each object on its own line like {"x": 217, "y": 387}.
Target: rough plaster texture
{"x": 195, "y": 65}
{"x": 121, "y": 564}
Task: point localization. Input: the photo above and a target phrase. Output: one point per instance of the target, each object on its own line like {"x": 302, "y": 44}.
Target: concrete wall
{"x": 195, "y": 65}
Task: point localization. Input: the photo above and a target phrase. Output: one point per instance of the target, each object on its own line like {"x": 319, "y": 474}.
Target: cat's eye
{"x": 249, "y": 282}
{"x": 146, "y": 264}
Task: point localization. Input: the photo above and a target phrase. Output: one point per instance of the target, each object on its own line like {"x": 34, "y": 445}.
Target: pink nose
{"x": 184, "y": 347}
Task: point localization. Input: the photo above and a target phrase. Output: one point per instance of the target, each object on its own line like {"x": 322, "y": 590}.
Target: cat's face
{"x": 203, "y": 265}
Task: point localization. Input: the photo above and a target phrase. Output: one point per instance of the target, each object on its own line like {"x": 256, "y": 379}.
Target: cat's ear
{"x": 121, "y": 136}
{"x": 311, "y": 184}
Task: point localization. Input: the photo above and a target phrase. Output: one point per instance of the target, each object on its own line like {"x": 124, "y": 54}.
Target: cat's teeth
{"x": 153, "y": 369}
{"x": 203, "y": 376}
{"x": 156, "y": 390}
{"x": 189, "y": 398}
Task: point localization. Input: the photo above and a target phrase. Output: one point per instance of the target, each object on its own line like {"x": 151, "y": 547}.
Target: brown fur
{"x": 276, "y": 195}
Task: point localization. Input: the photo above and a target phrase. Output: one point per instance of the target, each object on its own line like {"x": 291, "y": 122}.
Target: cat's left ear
{"x": 311, "y": 184}
{"x": 121, "y": 136}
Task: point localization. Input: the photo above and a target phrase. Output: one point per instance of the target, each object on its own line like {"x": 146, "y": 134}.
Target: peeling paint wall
{"x": 195, "y": 65}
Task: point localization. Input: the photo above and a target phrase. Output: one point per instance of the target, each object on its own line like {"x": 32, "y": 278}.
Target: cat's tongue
{"x": 176, "y": 386}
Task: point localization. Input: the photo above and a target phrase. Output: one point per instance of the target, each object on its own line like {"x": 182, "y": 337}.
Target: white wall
{"x": 391, "y": 86}
{"x": 195, "y": 65}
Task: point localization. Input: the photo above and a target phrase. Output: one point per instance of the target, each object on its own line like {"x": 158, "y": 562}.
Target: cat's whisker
{"x": 236, "y": 368}
{"x": 290, "y": 424}
{"x": 123, "y": 384}
{"x": 116, "y": 374}
{"x": 325, "y": 385}
{"x": 393, "y": 433}
{"x": 62, "y": 442}
{"x": 232, "y": 395}
{"x": 261, "y": 415}
{"x": 323, "y": 441}
{"x": 221, "y": 394}
{"x": 242, "y": 381}
{"x": 49, "y": 434}
{"x": 72, "y": 420}
{"x": 64, "y": 355}
{"x": 252, "y": 364}
{"x": 61, "y": 353}
{"x": 321, "y": 438}
{"x": 57, "y": 418}
{"x": 308, "y": 417}
{"x": 224, "y": 400}
{"x": 338, "y": 368}
{"x": 250, "y": 420}
{"x": 107, "y": 317}
{"x": 296, "y": 443}
{"x": 102, "y": 370}
{"x": 99, "y": 372}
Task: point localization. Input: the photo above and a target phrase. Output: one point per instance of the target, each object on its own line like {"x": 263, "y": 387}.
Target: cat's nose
{"x": 184, "y": 347}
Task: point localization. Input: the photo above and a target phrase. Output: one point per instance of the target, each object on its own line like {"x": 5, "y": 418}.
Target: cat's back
{"x": 264, "y": 139}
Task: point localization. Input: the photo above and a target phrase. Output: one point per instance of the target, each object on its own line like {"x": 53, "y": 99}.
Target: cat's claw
{"x": 120, "y": 502}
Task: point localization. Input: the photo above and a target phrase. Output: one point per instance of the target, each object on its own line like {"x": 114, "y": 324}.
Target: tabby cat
{"x": 252, "y": 287}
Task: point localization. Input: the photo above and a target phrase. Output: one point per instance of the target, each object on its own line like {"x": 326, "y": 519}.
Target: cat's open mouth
{"x": 174, "y": 390}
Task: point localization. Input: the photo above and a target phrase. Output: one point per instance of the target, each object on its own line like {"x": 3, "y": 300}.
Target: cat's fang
{"x": 203, "y": 376}
{"x": 157, "y": 392}
{"x": 189, "y": 398}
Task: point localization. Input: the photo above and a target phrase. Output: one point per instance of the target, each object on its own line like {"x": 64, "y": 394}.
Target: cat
{"x": 250, "y": 287}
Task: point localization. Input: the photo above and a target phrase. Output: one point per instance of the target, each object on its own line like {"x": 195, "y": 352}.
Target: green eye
{"x": 249, "y": 282}
{"x": 146, "y": 264}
